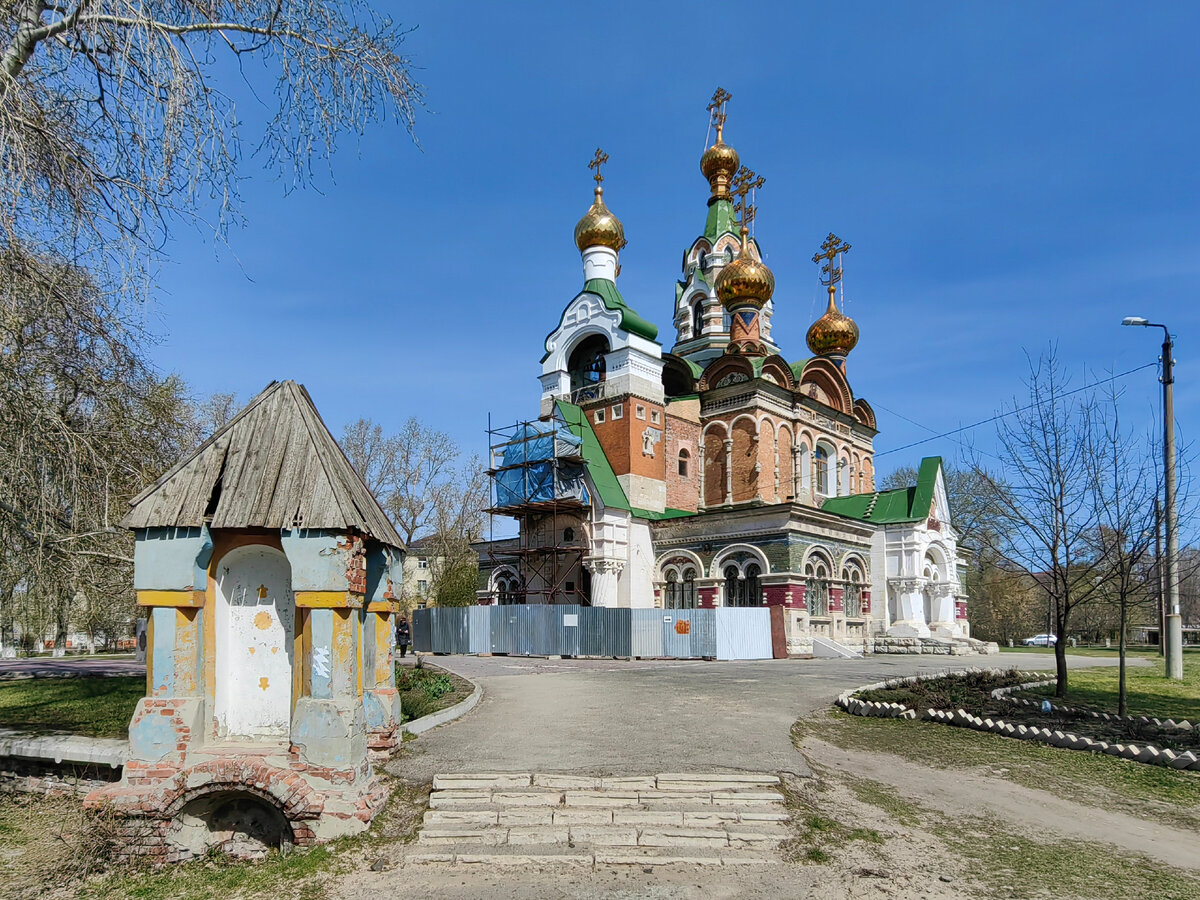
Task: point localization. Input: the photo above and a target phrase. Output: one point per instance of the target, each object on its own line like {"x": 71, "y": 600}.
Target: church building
{"x": 716, "y": 472}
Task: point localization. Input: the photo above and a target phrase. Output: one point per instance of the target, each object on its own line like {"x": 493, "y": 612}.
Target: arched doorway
{"x": 255, "y": 623}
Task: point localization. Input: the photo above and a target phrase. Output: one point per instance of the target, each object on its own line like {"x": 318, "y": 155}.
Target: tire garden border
{"x": 1144, "y": 753}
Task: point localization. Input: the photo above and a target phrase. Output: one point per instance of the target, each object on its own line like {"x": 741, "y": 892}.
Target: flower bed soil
{"x": 972, "y": 693}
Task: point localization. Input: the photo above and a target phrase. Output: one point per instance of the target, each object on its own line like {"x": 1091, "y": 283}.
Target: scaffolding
{"x": 537, "y": 478}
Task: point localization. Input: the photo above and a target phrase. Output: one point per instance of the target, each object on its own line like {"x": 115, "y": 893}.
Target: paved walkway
{"x": 66, "y": 666}
{"x": 608, "y": 717}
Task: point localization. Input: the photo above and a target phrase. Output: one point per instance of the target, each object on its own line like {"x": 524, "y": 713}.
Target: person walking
{"x": 403, "y": 636}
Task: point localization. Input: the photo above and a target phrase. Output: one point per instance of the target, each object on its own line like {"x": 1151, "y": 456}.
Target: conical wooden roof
{"x": 273, "y": 465}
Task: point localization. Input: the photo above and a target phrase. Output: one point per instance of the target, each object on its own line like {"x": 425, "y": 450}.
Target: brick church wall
{"x": 681, "y": 434}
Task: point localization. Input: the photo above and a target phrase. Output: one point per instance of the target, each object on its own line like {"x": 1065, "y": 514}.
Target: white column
{"x": 700, "y": 465}
{"x": 911, "y": 603}
{"x": 605, "y": 575}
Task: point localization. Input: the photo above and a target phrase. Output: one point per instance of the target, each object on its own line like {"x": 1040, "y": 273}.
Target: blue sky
{"x": 1009, "y": 175}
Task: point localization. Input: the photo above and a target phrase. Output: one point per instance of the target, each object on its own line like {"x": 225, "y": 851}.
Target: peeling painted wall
{"x": 171, "y": 559}
{"x": 318, "y": 562}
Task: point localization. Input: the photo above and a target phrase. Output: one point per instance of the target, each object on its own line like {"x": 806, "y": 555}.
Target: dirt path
{"x": 964, "y": 794}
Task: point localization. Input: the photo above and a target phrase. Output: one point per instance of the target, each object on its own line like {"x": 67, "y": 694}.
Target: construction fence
{"x": 564, "y": 630}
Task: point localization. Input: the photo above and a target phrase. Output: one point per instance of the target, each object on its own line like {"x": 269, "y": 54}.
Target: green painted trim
{"x": 683, "y": 397}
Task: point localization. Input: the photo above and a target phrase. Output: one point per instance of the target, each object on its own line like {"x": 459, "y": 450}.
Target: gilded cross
{"x": 745, "y": 182}
{"x": 833, "y": 247}
{"x": 717, "y": 109}
{"x": 597, "y": 161}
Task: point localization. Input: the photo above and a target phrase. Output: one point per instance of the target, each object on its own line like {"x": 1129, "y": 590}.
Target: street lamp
{"x": 1174, "y": 621}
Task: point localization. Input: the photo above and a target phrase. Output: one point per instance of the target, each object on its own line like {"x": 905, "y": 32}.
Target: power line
{"x": 1002, "y": 415}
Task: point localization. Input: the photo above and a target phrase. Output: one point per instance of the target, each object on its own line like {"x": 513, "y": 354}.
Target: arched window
{"x": 671, "y": 600}
{"x": 753, "y": 587}
{"x": 852, "y": 597}
{"x": 697, "y": 318}
{"x": 586, "y": 364}
{"x": 684, "y": 456}
{"x": 734, "y": 587}
{"x": 822, "y": 470}
{"x": 816, "y": 590}
{"x": 700, "y": 259}
{"x": 689, "y": 589}
{"x": 568, "y": 534}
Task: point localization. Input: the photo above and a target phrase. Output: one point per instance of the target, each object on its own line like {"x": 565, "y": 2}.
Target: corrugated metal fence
{"x": 554, "y": 630}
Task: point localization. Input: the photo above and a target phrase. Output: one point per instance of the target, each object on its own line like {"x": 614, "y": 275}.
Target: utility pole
{"x": 1158, "y": 577}
{"x": 1174, "y": 621}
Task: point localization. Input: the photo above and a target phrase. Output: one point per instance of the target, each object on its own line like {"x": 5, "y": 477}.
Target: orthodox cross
{"x": 744, "y": 182}
{"x": 717, "y": 109}
{"x": 833, "y": 247}
{"x": 597, "y": 161}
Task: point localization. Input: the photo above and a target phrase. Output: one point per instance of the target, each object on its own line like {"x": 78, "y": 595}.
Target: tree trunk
{"x": 1060, "y": 654}
{"x": 1122, "y": 698}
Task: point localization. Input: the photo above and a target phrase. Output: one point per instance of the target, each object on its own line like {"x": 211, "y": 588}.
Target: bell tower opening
{"x": 586, "y": 365}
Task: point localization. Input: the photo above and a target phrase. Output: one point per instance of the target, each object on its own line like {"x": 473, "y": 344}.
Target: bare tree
{"x": 115, "y": 121}
{"x": 1125, "y": 487}
{"x": 1044, "y": 497}
{"x": 84, "y": 424}
{"x": 213, "y": 413}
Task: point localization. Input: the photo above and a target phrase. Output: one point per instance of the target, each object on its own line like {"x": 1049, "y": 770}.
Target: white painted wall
{"x": 255, "y": 621}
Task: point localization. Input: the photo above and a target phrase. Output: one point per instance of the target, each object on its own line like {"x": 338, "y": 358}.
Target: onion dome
{"x": 745, "y": 282}
{"x": 719, "y": 163}
{"x": 599, "y": 227}
{"x": 834, "y": 333}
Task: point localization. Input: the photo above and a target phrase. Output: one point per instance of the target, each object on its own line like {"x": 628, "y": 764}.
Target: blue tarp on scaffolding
{"x": 528, "y": 463}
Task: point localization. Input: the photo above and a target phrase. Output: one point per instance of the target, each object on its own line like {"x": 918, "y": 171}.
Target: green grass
{"x": 426, "y": 689}
{"x": 278, "y": 875}
{"x": 1016, "y": 866}
{"x": 1150, "y": 692}
{"x": 94, "y": 705}
{"x": 1148, "y": 792}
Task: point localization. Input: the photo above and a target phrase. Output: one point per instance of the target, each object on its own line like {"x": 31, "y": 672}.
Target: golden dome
{"x": 745, "y": 282}
{"x": 832, "y": 333}
{"x": 719, "y": 163}
{"x": 599, "y": 227}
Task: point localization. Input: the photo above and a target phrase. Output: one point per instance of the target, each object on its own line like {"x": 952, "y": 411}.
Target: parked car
{"x": 1040, "y": 640}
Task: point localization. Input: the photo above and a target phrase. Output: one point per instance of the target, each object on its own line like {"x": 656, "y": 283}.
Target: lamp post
{"x": 1174, "y": 621}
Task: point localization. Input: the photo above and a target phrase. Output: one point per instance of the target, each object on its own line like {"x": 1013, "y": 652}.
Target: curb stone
{"x": 1146, "y": 754}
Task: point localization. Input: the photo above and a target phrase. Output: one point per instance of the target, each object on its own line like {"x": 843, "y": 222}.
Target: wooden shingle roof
{"x": 273, "y": 465}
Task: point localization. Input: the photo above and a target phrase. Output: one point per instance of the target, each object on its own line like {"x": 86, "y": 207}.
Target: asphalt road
{"x": 647, "y": 716}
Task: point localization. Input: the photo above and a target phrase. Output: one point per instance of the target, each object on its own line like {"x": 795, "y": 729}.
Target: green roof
{"x": 630, "y": 321}
{"x": 601, "y": 471}
{"x": 721, "y": 220}
{"x": 909, "y": 504}
{"x": 612, "y": 299}
{"x": 798, "y": 368}
{"x": 667, "y": 513}
{"x": 603, "y": 477}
